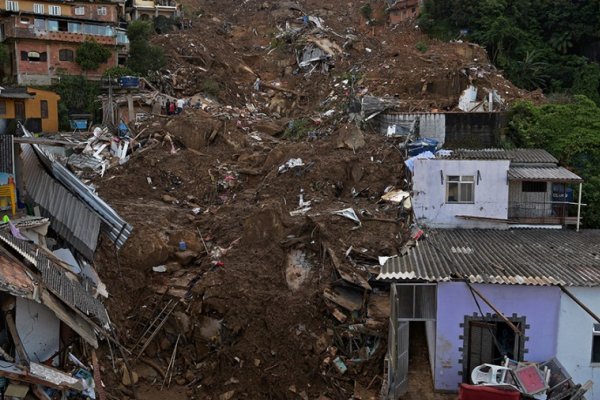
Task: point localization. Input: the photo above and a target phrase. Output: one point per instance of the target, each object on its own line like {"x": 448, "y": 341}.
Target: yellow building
{"x": 37, "y": 108}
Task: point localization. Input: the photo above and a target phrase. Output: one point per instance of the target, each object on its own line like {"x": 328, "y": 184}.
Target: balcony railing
{"x": 548, "y": 212}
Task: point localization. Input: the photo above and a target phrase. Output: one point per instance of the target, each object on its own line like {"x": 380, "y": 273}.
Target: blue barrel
{"x": 129, "y": 81}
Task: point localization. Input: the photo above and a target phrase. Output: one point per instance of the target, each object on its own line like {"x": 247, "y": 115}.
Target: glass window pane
{"x": 452, "y": 192}
{"x": 467, "y": 178}
{"x": 53, "y": 26}
{"x": 453, "y": 178}
{"x": 466, "y": 192}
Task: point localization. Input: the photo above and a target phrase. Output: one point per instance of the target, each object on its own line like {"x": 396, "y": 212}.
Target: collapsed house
{"x": 50, "y": 293}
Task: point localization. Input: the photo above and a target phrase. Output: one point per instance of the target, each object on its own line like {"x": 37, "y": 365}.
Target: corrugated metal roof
{"x": 516, "y": 257}
{"x": 70, "y": 217}
{"x": 71, "y": 291}
{"x": 117, "y": 229}
{"x": 554, "y": 174}
{"x": 518, "y": 156}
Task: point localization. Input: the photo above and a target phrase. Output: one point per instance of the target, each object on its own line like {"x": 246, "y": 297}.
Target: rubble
{"x": 284, "y": 195}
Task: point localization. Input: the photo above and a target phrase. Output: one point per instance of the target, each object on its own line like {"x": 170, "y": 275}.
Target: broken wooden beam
{"x": 580, "y": 304}
{"x": 12, "y": 328}
{"x": 496, "y": 310}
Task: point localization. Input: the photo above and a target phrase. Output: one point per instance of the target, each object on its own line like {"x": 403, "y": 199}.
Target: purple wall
{"x": 539, "y": 305}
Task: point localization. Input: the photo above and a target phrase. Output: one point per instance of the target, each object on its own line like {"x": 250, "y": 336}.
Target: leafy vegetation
{"x": 297, "y": 129}
{"x": 539, "y": 44}
{"x": 210, "y": 87}
{"x": 569, "y": 131}
{"x": 143, "y": 56}
{"x": 91, "y": 54}
{"x": 422, "y": 47}
{"x": 118, "y": 71}
{"x": 77, "y": 94}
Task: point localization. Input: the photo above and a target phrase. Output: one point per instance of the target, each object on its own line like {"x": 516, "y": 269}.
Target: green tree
{"x": 90, "y": 55}
{"x": 77, "y": 94}
{"x": 143, "y": 56}
{"x": 538, "y": 43}
{"x": 569, "y": 131}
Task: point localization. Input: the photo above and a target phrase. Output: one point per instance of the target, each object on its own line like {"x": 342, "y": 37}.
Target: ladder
{"x": 153, "y": 328}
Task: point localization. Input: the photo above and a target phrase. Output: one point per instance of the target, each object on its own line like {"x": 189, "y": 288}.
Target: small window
{"x": 101, "y": 10}
{"x": 24, "y": 20}
{"x": 79, "y": 10}
{"x": 38, "y": 8}
{"x": 2, "y": 107}
{"x": 596, "y": 343}
{"x": 460, "y": 189}
{"x": 54, "y": 10}
{"x": 12, "y": 5}
{"x": 66, "y": 55}
{"x": 533, "y": 187}
{"x": 44, "y": 108}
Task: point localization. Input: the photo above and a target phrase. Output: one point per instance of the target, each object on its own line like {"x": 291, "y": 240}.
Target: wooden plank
{"x": 349, "y": 299}
{"x": 12, "y": 328}
{"x": 349, "y": 274}
{"x": 71, "y": 319}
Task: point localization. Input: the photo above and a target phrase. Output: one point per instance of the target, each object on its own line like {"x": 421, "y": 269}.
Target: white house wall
{"x": 490, "y": 195}
{"x": 574, "y": 344}
{"x": 38, "y": 328}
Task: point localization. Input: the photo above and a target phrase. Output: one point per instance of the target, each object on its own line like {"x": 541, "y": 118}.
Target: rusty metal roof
{"x": 517, "y": 156}
{"x": 14, "y": 278}
{"x": 554, "y": 174}
{"x": 515, "y": 257}
{"x": 74, "y": 293}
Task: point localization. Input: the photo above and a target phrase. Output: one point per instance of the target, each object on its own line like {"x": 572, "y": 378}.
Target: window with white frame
{"x": 102, "y": 11}
{"x": 460, "y": 189}
{"x": 38, "y": 8}
{"x": 12, "y": 5}
{"x": 79, "y": 10}
{"x": 54, "y": 10}
{"x": 596, "y": 343}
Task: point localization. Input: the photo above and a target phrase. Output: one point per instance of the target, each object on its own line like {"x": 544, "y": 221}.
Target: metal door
{"x": 399, "y": 385}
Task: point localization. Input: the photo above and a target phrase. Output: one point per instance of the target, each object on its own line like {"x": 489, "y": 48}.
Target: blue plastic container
{"x": 129, "y": 81}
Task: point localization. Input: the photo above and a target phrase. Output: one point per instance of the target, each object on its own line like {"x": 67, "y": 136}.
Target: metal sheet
{"x": 514, "y": 257}
{"x": 556, "y": 174}
{"x": 117, "y": 229}
{"x": 76, "y": 294}
{"x": 517, "y": 156}
{"x": 70, "y": 217}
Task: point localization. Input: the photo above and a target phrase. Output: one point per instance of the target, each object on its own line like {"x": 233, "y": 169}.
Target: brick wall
{"x": 53, "y": 66}
{"x": 31, "y": 67}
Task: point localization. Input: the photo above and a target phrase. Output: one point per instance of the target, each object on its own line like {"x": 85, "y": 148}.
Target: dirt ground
{"x": 244, "y": 254}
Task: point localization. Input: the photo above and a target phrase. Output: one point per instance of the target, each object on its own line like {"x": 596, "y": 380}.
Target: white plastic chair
{"x": 489, "y": 374}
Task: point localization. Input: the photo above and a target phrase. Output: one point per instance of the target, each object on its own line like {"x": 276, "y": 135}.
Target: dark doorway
{"x": 19, "y": 111}
{"x": 488, "y": 341}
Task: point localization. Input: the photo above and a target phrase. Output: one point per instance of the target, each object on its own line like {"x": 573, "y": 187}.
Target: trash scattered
{"x": 348, "y": 213}
{"x": 290, "y": 164}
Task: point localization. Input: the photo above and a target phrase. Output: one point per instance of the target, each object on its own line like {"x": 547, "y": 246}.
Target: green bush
{"x": 422, "y": 47}
{"x": 569, "y": 131}
{"x": 210, "y": 87}
{"x": 297, "y": 129}
{"x": 90, "y": 54}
